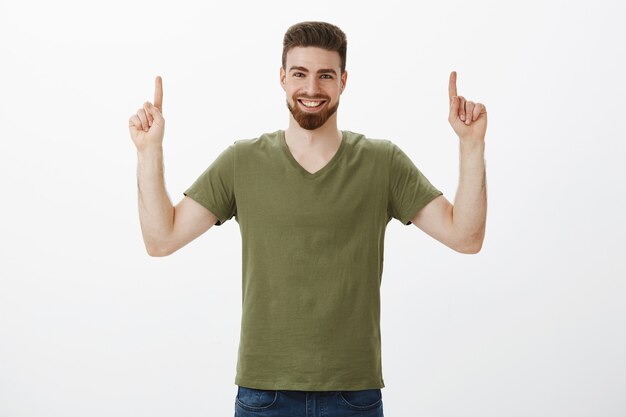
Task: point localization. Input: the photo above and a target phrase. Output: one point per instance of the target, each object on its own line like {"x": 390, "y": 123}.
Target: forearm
{"x": 470, "y": 204}
{"x": 156, "y": 212}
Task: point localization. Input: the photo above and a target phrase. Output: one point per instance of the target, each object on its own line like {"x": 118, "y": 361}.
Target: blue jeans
{"x": 252, "y": 402}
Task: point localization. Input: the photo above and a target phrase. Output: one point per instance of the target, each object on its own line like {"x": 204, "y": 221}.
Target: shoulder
{"x": 264, "y": 139}
{"x": 360, "y": 142}
{"x": 380, "y": 150}
{"x": 263, "y": 142}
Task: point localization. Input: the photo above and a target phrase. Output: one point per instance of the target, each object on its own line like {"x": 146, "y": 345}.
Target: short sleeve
{"x": 409, "y": 189}
{"x": 215, "y": 187}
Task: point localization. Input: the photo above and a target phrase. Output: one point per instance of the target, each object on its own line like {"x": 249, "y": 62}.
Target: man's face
{"x": 313, "y": 82}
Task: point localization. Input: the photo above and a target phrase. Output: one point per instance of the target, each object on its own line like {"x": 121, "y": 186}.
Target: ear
{"x": 283, "y": 77}
{"x": 344, "y": 79}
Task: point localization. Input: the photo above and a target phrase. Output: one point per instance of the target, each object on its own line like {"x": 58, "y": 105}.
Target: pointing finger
{"x": 158, "y": 93}
{"x": 452, "y": 85}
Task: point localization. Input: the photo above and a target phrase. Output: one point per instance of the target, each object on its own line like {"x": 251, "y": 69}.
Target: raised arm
{"x": 165, "y": 228}
{"x": 462, "y": 226}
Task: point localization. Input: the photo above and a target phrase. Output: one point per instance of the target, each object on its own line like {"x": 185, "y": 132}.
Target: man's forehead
{"x": 312, "y": 58}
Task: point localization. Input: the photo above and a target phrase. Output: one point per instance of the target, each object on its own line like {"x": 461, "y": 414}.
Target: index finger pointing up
{"x": 452, "y": 85}
{"x": 158, "y": 93}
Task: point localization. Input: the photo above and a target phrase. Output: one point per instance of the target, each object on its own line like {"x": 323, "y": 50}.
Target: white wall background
{"x": 533, "y": 325}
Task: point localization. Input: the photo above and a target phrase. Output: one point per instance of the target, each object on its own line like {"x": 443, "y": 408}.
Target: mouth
{"x": 311, "y": 105}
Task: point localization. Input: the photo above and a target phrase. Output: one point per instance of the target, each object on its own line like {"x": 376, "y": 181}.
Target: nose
{"x": 313, "y": 86}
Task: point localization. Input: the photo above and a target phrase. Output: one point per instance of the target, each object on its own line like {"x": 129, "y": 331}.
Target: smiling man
{"x": 312, "y": 203}
{"x": 312, "y": 110}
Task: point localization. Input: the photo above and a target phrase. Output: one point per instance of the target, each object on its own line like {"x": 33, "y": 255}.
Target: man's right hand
{"x": 147, "y": 126}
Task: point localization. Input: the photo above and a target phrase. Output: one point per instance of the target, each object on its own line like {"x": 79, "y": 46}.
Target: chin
{"x": 312, "y": 120}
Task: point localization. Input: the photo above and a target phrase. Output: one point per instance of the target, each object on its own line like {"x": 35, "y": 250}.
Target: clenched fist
{"x": 147, "y": 126}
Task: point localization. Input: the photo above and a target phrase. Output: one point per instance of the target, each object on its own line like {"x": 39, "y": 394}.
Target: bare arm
{"x": 462, "y": 226}
{"x": 156, "y": 213}
{"x": 165, "y": 228}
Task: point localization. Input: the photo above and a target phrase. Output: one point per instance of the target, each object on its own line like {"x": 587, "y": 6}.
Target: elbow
{"x": 471, "y": 249}
{"x": 157, "y": 251}
{"x": 472, "y": 243}
{"x": 470, "y": 246}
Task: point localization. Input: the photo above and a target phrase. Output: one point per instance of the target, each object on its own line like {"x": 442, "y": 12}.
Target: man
{"x": 312, "y": 203}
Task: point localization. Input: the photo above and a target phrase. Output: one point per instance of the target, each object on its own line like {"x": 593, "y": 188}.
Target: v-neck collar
{"x": 300, "y": 169}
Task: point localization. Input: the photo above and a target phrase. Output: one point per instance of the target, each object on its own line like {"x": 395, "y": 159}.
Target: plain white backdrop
{"x": 533, "y": 325}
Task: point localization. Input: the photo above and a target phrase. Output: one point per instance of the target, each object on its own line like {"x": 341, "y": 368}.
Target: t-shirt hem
{"x": 308, "y": 386}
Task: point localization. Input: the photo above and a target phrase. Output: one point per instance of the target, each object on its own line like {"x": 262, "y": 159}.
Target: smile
{"x": 312, "y": 104}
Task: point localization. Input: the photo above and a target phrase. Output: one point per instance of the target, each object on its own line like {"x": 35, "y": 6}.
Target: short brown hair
{"x": 320, "y": 34}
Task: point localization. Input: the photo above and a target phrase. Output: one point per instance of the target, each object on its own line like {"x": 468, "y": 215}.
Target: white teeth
{"x": 311, "y": 103}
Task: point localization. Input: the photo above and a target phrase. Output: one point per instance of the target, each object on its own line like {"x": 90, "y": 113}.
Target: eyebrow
{"x": 321, "y": 71}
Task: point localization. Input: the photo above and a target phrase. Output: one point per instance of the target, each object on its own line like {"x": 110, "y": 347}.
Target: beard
{"x": 311, "y": 121}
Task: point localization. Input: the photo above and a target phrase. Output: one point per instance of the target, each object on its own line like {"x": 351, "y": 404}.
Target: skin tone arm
{"x": 165, "y": 228}
{"x": 462, "y": 226}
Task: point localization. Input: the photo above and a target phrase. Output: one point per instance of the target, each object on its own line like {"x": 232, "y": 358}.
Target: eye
{"x": 298, "y": 74}
{"x": 328, "y": 76}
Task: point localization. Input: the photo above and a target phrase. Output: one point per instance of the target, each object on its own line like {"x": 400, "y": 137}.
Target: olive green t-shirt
{"x": 312, "y": 252}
